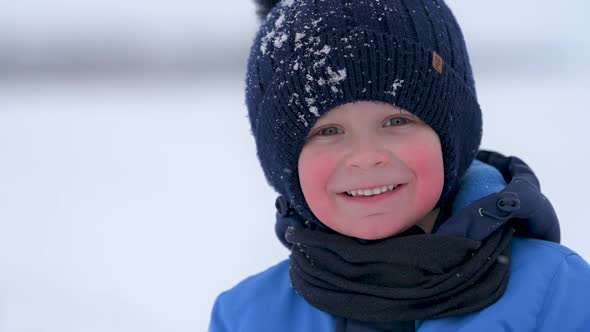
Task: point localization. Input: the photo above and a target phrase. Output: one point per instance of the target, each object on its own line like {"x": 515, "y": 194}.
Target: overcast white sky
{"x": 217, "y": 33}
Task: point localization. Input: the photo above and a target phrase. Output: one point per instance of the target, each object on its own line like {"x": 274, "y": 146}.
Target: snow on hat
{"x": 310, "y": 56}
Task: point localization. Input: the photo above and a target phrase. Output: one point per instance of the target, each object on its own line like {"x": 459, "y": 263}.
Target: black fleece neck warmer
{"x": 463, "y": 267}
{"x": 413, "y": 276}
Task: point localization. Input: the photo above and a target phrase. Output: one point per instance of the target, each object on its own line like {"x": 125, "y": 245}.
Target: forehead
{"x": 361, "y": 108}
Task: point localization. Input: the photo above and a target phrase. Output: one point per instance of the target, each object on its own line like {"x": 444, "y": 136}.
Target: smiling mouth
{"x": 371, "y": 199}
{"x": 370, "y": 192}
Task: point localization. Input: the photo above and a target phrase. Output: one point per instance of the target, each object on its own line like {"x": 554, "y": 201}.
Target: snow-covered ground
{"x": 129, "y": 204}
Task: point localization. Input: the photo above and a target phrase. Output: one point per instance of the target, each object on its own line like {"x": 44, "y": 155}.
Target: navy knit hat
{"x": 311, "y": 56}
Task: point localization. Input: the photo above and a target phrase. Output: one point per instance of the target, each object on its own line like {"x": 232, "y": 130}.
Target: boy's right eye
{"x": 329, "y": 131}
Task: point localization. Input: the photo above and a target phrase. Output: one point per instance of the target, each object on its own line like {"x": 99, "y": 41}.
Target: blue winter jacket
{"x": 548, "y": 289}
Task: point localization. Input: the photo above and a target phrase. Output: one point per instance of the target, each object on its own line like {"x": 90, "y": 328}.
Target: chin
{"x": 377, "y": 229}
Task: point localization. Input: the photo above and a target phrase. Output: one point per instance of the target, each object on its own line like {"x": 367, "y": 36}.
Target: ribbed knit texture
{"x": 310, "y": 56}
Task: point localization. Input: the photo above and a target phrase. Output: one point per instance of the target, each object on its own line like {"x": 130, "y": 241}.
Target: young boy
{"x": 366, "y": 122}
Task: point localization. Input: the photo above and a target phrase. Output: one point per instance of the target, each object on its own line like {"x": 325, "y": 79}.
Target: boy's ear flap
{"x": 263, "y": 7}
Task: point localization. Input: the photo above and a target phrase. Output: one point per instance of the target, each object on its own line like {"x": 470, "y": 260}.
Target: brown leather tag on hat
{"x": 437, "y": 62}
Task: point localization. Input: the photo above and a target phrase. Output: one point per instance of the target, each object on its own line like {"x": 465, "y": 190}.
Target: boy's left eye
{"x": 396, "y": 121}
{"x": 330, "y": 131}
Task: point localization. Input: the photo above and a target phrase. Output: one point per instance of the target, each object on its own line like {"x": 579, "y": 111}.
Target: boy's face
{"x": 368, "y": 145}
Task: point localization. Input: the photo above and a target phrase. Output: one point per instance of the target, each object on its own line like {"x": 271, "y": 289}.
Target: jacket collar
{"x": 494, "y": 190}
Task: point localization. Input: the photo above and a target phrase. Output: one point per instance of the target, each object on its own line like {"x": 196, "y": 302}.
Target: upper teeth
{"x": 371, "y": 192}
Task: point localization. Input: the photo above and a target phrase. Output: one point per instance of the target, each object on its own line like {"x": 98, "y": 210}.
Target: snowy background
{"x": 130, "y": 194}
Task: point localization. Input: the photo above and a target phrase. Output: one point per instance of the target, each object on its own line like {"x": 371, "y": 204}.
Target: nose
{"x": 368, "y": 156}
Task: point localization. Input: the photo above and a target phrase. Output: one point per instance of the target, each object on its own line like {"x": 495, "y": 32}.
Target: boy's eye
{"x": 329, "y": 131}
{"x": 396, "y": 121}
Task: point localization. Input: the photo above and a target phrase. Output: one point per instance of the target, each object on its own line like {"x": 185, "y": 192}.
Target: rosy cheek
{"x": 315, "y": 169}
{"x": 425, "y": 158}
